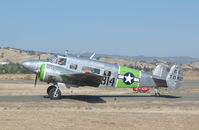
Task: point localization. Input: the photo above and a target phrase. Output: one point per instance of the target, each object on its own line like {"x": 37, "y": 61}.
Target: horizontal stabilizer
{"x": 160, "y": 82}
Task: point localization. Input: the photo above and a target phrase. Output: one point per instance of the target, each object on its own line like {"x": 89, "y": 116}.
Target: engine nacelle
{"x": 51, "y": 73}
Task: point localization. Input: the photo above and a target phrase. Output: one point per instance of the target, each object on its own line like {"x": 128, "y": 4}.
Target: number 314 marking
{"x": 106, "y": 81}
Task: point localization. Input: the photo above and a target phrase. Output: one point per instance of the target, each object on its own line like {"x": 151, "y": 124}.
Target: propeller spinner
{"x": 34, "y": 66}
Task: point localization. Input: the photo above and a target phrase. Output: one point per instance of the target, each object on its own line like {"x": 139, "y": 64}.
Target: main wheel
{"x": 49, "y": 88}
{"x": 54, "y": 95}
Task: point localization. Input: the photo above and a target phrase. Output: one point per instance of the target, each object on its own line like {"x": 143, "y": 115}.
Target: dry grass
{"x": 91, "y": 119}
{"x": 138, "y": 115}
{"x": 191, "y": 75}
{"x": 17, "y": 76}
{"x": 16, "y": 56}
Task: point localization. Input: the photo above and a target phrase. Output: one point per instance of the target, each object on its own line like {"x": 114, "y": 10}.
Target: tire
{"x": 49, "y": 88}
{"x": 54, "y": 96}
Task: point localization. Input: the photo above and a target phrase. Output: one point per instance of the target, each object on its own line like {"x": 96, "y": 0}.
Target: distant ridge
{"x": 140, "y": 58}
{"x": 175, "y": 59}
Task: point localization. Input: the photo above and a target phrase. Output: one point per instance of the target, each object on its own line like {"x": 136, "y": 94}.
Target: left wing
{"x": 83, "y": 79}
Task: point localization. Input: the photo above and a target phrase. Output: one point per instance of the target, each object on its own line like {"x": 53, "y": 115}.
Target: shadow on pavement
{"x": 100, "y": 98}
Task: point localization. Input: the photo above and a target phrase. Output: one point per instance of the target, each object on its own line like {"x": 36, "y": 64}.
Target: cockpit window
{"x": 62, "y": 61}
{"x": 57, "y": 60}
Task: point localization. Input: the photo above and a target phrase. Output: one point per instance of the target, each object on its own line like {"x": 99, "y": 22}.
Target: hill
{"x": 175, "y": 59}
{"x": 140, "y": 62}
{"x": 17, "y": 55}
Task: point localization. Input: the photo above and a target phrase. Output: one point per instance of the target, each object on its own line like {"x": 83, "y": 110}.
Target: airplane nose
{"x": 33, "y": 66}
{"x": 26, "y": 64}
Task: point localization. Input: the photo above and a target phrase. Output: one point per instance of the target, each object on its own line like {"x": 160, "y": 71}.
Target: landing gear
{"x": 49, "y": 88}
{"x": 157, "y": 93}
{"x": 54, "y": 93}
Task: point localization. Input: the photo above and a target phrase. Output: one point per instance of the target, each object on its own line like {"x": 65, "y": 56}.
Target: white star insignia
{"x": 129, "y": 78}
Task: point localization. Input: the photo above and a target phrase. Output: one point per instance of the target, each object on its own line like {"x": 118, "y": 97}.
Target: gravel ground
{"x": 141, "y": 111}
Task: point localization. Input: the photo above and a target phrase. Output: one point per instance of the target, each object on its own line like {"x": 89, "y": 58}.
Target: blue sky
{"x": 125, "y": 27}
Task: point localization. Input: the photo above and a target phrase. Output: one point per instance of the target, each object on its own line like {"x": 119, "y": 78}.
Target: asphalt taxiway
{"x": 188, "y": 92}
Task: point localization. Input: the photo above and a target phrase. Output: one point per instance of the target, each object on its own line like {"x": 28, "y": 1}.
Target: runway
{"x": 183, "y": 94}
{"x": 93, "y": 99}
{"x": 21, "y": 103}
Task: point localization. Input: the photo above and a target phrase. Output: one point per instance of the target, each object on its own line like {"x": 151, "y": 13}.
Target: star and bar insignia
{"x": 128, "y": 78}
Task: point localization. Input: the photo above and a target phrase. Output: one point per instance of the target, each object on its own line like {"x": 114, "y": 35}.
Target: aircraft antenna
{"x": 66, "y": 52}
{"x": 91, "y": 57}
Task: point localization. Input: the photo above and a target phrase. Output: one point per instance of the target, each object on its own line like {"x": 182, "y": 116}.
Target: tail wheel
{"x": 55, "y": 94}
{"x": 49, "y": 88}
{"x": 157, "y": 94}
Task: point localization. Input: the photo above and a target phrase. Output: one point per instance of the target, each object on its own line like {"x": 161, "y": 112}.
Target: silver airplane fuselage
{"x": 75, "y": 71}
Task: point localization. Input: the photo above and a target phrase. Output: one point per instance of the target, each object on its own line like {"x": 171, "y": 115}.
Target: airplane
{"x": 72, "y": 71}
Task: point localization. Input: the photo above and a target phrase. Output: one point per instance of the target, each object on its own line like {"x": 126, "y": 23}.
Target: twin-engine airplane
{"x": 70, "y": 71}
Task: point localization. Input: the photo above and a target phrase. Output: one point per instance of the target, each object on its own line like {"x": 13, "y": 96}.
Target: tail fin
{"x": 160, "y": 71}
{"x": 175, "y": 77}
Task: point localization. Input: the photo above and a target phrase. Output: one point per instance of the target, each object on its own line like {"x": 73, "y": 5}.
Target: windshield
{"x": 52, "y": 59}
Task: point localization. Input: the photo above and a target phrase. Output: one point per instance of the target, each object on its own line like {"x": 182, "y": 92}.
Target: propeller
{"x": 36, "y": 77}
{"x": 35, "y": 81}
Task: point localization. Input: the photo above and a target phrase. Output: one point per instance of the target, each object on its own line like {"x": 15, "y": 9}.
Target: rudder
{"x": 175, "y": 77}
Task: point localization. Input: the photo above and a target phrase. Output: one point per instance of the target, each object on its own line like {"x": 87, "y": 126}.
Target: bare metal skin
{"x": 69, "y": 71}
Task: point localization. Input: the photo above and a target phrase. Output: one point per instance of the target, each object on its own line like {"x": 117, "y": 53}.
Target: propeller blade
{"x": 35, "y": 81}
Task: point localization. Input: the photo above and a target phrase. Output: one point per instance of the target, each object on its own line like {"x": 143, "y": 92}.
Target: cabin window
{"x": 62, "y": 61}
{"x": 73, "y": 66}
{"x": 107, "y": 73}
{"x": 87, "y": 69}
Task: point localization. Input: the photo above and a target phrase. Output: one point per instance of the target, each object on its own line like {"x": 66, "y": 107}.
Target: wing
{"x": 83, "y": 79}
{"x": 160, "y": 82}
